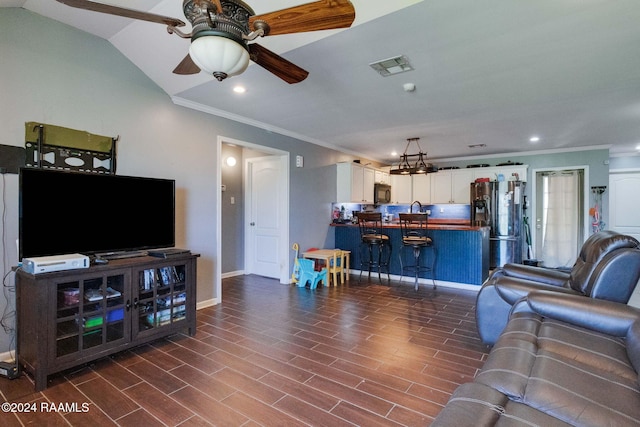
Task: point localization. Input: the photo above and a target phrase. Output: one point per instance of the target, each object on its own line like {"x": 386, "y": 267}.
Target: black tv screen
{"x": 71, "y": 212}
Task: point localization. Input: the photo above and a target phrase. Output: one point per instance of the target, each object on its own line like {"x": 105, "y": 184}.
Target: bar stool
{"x": 413, "y": 227}
{"x": 375, "y": 249}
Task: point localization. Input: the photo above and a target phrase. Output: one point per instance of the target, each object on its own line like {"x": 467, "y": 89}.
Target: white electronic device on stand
{"x": 47, "y": 264}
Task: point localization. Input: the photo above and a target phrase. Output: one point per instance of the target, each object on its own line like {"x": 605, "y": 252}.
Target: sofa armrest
{"x": 536, "y": 274}
{"x": 597, "y": 315}
{"x": 512, "y": 289}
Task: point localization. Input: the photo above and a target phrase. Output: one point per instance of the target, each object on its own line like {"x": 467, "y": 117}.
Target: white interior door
{"x": 624, "y": 206}
{"x": 265, "y": 192}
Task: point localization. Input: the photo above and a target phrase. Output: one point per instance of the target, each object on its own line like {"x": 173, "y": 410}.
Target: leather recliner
{"x": 608, "y": 268}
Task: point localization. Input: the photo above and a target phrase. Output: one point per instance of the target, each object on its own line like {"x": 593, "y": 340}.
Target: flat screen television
{"x": 72, "y": 212}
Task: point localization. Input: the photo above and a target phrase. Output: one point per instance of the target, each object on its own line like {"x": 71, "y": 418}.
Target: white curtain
{"x": 561, "y": 214}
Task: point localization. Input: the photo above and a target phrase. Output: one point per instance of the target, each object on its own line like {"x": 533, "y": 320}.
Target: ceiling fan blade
{"x": 274, "y": 63}
{"x": 186, "y": 66}
{"x": 121, "y": 11}
{"x": 319, "y": 15}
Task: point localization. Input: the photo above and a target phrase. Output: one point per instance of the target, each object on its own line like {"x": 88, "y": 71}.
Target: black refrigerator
{"x": 498, "y": 204}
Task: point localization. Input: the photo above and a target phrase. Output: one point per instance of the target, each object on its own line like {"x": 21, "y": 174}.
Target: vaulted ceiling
{"x": 491, "y": 72}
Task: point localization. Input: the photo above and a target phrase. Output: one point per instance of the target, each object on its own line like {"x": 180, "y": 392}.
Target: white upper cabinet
{"x": 368, "y": 185}
{"x": 381, "y": 177}
{"x": 451, "y": 186}
{"x": 401, "y": 189}
{"x": 355, "y": 183}
{"x": 461, "y": 186}
{"x": 421, "y": 189}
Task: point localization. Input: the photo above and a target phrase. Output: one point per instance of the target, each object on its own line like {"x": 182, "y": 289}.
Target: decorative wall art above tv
{"x": 56, "y": 147}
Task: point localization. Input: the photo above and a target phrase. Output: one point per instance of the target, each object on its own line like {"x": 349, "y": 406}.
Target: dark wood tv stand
{"x": 72, "y": 317}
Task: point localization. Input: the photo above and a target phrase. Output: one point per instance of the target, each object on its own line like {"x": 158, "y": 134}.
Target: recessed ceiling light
{"x": 394, "y": 153}
{"x": 239, "y": 89}
{"x": 534, "y": 139}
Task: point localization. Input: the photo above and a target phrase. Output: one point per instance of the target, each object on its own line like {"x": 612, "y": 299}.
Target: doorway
{"x": 623, "y": 204}
{"x": 623, "y": 210}
{"x": 264, "y": 199}
{"x": 560, "y": 213}
{"x": 279, "y": 162}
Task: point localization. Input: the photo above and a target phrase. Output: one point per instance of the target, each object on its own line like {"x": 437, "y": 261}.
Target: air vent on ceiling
{"x": 391, "y": 66}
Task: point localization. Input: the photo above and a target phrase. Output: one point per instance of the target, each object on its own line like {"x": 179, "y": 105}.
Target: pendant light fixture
{"x": 419, "y": 167}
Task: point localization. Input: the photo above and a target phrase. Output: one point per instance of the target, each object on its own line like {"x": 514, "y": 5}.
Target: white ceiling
{"x": 491, "y": 72}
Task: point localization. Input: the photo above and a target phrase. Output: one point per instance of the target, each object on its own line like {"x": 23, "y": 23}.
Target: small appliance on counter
{"x": 344, "y": 213}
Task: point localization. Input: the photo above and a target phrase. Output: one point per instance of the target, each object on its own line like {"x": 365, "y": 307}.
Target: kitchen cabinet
{"x": 421, "y": 188}
{"x": 355, "y": 183}
{"x": 451, "y": 186}
{"x": 401, "y": 189}
{"x": 381, "y": 177}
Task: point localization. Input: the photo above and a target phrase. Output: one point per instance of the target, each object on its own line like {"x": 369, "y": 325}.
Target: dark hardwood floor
{"x": 270, "y": 354}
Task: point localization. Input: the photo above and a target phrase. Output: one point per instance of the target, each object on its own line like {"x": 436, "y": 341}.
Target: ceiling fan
{"x": 223, "y": 29}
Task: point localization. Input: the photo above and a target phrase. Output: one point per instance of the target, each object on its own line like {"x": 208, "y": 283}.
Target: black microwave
{"x": 382, "y": 193}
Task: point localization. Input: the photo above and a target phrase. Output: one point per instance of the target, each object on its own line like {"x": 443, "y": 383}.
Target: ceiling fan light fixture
{"x": 220, "y": 30}
{"x": 219, "y": 56}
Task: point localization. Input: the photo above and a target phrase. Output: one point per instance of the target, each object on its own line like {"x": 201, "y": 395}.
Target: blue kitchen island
{"x": 462, "y": 252}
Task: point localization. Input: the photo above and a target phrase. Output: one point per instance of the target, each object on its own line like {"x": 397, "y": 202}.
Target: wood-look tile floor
{"x": 360, "y": 354}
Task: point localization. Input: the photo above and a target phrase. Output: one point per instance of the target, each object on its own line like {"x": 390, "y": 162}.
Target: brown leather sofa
{"x": 608, "y": 267}
{"x": 562, "y": 360}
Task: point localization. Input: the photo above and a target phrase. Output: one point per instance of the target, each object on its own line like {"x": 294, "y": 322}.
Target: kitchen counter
{"x": 433, "y": 224}
{"x": 462, "y": 250}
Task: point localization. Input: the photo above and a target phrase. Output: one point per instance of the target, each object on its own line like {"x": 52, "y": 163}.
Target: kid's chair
{"x": 338, "y": 264}
{"x": 308, "y": 274}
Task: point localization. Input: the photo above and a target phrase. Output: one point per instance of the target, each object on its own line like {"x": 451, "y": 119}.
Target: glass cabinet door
{"x": 90, "y": 313}
{"x": 161, "y": 297}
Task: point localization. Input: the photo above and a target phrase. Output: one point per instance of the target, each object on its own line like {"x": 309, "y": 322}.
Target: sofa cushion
{"x": 595, "y": 248}
{"x": 579, "y": 376}
{"x": 475, "y": 404}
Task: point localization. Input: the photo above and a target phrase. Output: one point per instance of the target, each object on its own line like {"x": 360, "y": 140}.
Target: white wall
{"x": 52, "y": 73}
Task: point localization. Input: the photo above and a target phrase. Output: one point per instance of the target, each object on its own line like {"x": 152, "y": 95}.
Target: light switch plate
{"x": 299, "y": 161}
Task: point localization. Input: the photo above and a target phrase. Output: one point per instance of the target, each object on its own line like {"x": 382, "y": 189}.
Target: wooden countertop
{"x": 433, "y": 224}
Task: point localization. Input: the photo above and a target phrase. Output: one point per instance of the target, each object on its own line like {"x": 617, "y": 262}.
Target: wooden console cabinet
{"x": 72, "y": 317}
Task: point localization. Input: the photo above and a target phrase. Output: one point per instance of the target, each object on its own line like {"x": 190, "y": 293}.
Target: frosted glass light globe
{"x": 219, "y": 56}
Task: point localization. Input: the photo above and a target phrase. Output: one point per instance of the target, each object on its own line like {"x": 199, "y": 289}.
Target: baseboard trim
{"x": 232, "y": 274}
{"x": 427, "y": 282}
{"x": 207, "y": 303}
